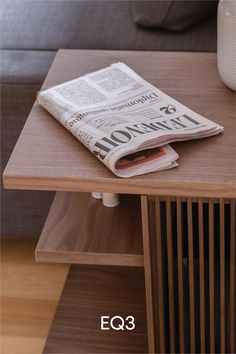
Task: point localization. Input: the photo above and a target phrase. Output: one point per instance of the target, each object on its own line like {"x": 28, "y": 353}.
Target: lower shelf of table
{"x": 80, "y": 230}
{"x": 89, "y": 293}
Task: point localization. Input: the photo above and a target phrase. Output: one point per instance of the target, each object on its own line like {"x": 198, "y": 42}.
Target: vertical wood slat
{"x": 155, "y": 290}
{"x": 232, "y": 309}
{"x": 211, "y": 276}
{"x": 171, "y": 289}
{"x": 191, "y": 275}
{"x": 148, "y": 275}
{"x": 222, "y": 277}
{"x": 160, "y": 276}
{"x": 180, "y": 275}
{"x": 201, "y": 277}
{"x": 162, "y": 282}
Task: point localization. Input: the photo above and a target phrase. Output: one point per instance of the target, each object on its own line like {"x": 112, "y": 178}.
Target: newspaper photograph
{"x": 126, "y": 122}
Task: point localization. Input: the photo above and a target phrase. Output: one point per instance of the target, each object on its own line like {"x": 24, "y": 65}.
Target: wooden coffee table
{"x": 166, "y": 255}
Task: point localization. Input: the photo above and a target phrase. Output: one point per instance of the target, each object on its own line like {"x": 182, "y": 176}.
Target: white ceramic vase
{"x": 226, "y": 42}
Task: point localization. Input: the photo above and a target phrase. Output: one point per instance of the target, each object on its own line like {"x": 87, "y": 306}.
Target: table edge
{"x": 123, "y": 186}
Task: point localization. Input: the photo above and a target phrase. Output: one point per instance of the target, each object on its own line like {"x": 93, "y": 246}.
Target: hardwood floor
{"x": 29, "y": 295}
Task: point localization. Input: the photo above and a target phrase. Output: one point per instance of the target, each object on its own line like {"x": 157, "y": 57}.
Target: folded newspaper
{"x": 126, "y": 122}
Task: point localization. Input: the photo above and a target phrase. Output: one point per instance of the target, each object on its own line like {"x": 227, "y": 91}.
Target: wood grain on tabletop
{"x": 79, "y": 229}
{"x": 47, "y": 157}
{"x": 29, "y": 296}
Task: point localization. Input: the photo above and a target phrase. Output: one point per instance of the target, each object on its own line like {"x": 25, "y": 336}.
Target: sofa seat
{"x": 22, "y": 72}
{"x": 25, "y": 66}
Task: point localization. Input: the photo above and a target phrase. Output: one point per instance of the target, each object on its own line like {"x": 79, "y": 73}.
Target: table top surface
{"x": 47, "y": 157}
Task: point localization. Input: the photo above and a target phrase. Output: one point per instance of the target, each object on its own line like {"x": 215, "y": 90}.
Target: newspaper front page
{"x": 126, "y": 122}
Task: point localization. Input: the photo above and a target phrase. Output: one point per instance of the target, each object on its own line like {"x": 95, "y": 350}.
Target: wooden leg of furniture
{"x": 189, "y": 258}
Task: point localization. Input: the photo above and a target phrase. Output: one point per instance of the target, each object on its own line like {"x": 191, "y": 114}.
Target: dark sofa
{"x": 32, "y": 32}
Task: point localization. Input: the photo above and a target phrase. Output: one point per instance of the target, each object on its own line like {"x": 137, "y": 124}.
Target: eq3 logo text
{"x": 117, "y": 323}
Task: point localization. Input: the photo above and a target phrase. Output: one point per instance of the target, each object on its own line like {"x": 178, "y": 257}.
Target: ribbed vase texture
{"x": 226, "y": 51}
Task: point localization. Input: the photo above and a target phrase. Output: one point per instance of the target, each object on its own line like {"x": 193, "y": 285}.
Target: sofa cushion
{"x": 175, "y": 15}
{"x": 23, "y": 213}
{"x": 25, "y": 66}
{"x": 37, "y": 24}
{"x": 49, "y": 25}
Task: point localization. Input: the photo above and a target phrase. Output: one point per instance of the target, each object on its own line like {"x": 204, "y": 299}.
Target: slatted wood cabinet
{"x": 189, "y": 252}
{"x": 166, "y": 255}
